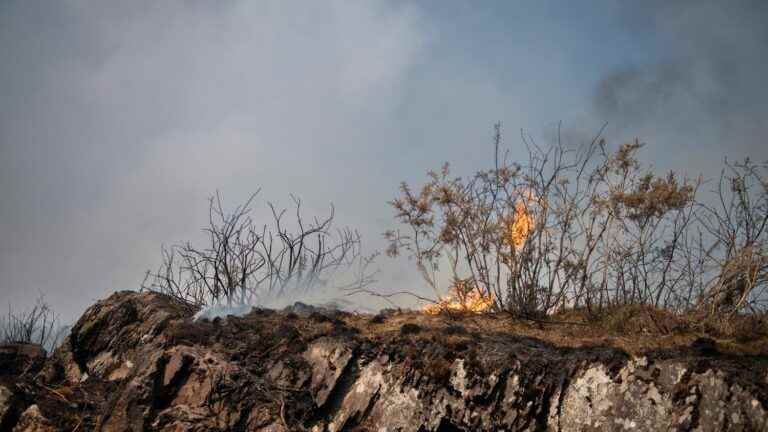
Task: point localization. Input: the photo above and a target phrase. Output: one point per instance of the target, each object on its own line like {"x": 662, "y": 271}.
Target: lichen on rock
{"x": 139, "y": 362}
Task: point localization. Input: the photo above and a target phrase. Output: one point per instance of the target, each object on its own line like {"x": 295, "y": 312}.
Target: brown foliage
{"x": 587, "y": 227}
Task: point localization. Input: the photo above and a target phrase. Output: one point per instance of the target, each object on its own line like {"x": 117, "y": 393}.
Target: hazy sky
{"x": 118, "y": 119}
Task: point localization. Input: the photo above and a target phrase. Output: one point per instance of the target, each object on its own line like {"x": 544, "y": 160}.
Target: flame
{"x": 471, "y": 300}
{"x": 461, "y": 300}
{"x": 522, "y": 222}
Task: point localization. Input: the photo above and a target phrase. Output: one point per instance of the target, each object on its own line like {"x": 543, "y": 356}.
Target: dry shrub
{"x": 640, "y": 319}
{"x": 740, "y": 327}
{"x": 244, "y": 262}
{"x": 587, "y": 227}
{"x": 34, "y": 326}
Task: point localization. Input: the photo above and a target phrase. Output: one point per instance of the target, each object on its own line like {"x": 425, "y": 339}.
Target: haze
{"x": 119, "y": 119}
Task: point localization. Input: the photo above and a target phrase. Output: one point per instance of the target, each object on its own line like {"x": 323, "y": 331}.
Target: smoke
{"x": 704, "y": 96}
{"x": 119, "y": 119}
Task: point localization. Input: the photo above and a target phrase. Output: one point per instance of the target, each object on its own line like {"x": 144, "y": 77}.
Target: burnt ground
{"x": 253, "y": 371}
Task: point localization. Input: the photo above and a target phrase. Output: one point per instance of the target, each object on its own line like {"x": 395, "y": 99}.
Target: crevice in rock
{"x": 371, "y": 404}
{"x": 696, "y": 412}
{"x": 496, "y": 394}
{"x": 564, "y": 384}
{"x": 541, "y": 417}
{"x": 446, "y": 426}
{"x": 242, "y": 422}
{"x": 353, "y": 422}
{"x": 16, "y": 406}
{"x": 341, "y": 388}
{"x": 164, "y": 393}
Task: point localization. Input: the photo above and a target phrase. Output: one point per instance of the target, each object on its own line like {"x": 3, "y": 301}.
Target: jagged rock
{"x": 329, "y": 359}
{"x": 7, "y": 400}
{"x": 18, "y": 362}
{"x": 138, "y": 362}
{"x": 32, "y": 420}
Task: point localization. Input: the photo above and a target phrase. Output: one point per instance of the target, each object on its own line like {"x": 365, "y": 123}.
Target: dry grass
{"x": 633, "y": 329}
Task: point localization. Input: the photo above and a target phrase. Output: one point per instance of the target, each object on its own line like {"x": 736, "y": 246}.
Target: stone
{"x": 32, "y": 420}
{"x": 149, "y": 366}
{"x": 6, "y": 404}
{"x": 20, "y": 358}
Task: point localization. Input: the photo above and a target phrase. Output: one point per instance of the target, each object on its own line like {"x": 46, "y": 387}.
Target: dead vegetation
{"x": 37, "y": 325}
{"x": 632, "y": 329}
{"x": 245, "y": 263}
{"x": 245, "y": 373}
{"x": 594, "y": 230}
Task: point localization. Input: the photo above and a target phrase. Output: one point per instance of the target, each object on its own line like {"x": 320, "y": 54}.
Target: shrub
{"x": 34, "y": 326}
{"x": 244, "y": 263}
{"x": 586, "y": 227}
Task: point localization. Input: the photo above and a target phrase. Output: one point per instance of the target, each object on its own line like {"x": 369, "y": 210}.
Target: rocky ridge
{"x": 137, "y": 361}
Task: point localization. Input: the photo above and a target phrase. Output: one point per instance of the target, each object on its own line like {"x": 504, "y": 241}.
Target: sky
{"x": 119, "y": 119}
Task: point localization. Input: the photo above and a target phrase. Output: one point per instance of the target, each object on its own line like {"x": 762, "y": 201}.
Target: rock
{"x": 138, "y": 361}
{"x": 19, "y": 358}
{"x": 111, "y": 330}
{"x": 328, "y": 358}
{"x": 18, "y": 363}
{"x": 410, "y": 328}
{"x": 705, "y": 346}
{"x": 304, "y": 310}
{"x": 7, "y": 401}
{"x": 33, "y": 421}
{"x": 378, "y": 319}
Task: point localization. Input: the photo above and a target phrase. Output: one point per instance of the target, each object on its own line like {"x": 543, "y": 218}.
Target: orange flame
{"x": 472, "y": 300}
{"x": 461, "y": 301}
{"x": 521, "y": 224}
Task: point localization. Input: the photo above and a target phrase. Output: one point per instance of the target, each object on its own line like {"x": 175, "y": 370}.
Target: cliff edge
{"x": 137, "y": 361}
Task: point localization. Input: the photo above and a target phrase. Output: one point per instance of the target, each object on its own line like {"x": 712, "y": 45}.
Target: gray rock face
{"x": 640, "y": 396}
{"x": 136, "y": 362}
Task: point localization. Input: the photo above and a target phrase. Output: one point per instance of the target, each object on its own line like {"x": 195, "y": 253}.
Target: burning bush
{"x": 464, "y": 298}
{"x": 586, "y": 227}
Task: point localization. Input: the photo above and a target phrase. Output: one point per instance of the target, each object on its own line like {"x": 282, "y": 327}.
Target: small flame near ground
{"x": 462, "y": 301}
{"x": 467, "y": 299}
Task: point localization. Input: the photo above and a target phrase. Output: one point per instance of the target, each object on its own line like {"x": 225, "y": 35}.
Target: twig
{"x": 56, "y": 392}
{"x": 77, "y": 426}
{"x": 282, "y": 413}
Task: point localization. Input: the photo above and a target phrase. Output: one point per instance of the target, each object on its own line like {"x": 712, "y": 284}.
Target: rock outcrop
{"x": 137, "y": 361}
